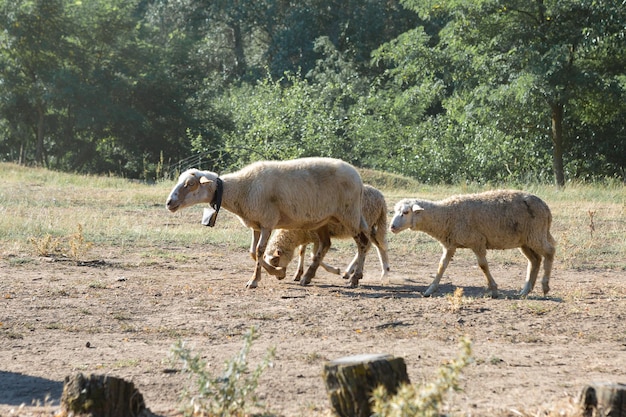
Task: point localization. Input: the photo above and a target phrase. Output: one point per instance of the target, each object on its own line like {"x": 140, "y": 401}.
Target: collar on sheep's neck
{"x": 216, "y": 203}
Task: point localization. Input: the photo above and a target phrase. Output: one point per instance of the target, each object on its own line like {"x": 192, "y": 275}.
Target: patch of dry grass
{"x": 589, "y": 221}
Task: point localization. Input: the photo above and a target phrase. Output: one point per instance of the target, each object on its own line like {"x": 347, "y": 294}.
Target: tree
{"x": 34, "y": 40}
{"x": 528, "y": 53}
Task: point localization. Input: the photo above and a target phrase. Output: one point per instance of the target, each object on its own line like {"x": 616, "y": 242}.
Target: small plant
{"x": 78, "y": 246}
{"x": 592, "y": 226}
{"x": 227, "y": 395}
{"x": 424, "y": 400}
{"x": 74, "y": 246}
{"x": 456, "y": 300}
{"x": 47, "y": 245}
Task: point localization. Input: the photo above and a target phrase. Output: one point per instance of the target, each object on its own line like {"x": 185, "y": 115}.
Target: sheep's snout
{"x": 395, "y": 226}
{"x": 171, "y": 205}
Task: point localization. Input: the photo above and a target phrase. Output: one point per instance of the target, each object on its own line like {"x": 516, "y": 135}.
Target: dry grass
{"x": 38, "y": 205}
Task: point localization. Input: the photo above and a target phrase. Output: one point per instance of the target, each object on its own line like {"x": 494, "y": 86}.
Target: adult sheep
{"x": 281, "y": 246}
{"x": 502, "y": 219}
{"x": 304, "y": 193}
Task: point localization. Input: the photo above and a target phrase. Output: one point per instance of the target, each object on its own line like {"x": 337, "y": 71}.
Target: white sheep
{"x": 281, "y": 246}
{"x": 305, "y": 193}
{"x": 502, "y": 219}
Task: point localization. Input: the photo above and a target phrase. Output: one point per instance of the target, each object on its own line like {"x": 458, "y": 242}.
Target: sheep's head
{"x": 278, "y": 257}
{"x": 405, "y": 215}
{"x": 193, "y": 187}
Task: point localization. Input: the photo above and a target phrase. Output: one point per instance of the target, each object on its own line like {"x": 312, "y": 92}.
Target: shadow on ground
{"x": 17, "y": 389}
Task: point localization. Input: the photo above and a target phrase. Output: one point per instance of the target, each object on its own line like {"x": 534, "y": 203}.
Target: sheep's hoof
{"x": 251, "y": 284}
{"x": 429, "y": 291}
{"x": 494, "y": 294}
{"x": 304, "y": 282}
{"x": 546, "y": 288}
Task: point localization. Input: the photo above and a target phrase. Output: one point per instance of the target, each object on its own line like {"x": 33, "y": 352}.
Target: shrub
{"x": 424, "y": 400}
{"x": 227, "y": 395}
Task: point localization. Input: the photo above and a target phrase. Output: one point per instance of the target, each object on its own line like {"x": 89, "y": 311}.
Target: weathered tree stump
{"x": 351, "y": 380}
{"x": 603, "y": 399}
{"x": 101, "y": 396}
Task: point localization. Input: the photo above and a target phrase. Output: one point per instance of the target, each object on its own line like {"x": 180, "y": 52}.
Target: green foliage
{"x": 425, "y": 400}
{"x": 228, "y": 395}
{"x": 442, "y": 91}
{"x": 530, "y": 71}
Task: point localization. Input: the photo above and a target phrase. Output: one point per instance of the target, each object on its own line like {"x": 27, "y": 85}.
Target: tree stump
{"x": 602, "y": 399}
{"x": 101, "y": 396}
{"x": 351, "y": 380}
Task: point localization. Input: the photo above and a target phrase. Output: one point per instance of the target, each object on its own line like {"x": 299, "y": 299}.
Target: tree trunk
{"x": 603, "y": 400}
{"x": 351, "y": 380}
{"x": 557, "y": 141}
{"x": 240, "y": 56}
{"x": 101, "y": 396}
{"x": 40, "y": 133}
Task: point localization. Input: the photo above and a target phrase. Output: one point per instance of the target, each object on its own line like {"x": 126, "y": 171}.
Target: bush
{"x": 424, "y": 400}
{"x": 227, "y": 395}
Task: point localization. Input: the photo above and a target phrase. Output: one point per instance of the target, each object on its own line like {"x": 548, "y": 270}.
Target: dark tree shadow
{"x": 17, "y": 389}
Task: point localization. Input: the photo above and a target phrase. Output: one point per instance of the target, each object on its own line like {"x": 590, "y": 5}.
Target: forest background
{"x": 443, "y": 91}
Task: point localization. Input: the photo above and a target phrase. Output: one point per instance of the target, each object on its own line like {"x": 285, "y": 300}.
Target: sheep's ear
{"x": 204, "y": 180}
{"x": 417, "y": 207}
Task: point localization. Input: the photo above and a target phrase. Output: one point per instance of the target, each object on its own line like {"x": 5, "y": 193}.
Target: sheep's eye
{"x": 405, "y": 212}
{"x": 191, "y": 182}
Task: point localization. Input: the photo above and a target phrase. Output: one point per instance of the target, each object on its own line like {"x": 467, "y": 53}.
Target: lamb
{"x": 305, "y": 193}
{"x": 502, "y": 219}
{"x": 281, "y": 246}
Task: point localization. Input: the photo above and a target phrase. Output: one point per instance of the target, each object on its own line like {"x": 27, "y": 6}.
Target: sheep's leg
{"x": 384, "y": 262}
{"x": 362, "y": 243}
{"x": 323, "y": 264}
{"x": 255, "y": 240}
{"x": 548, "y": 259}
{"x": 447, "y": 255}
{"x": 330, "y": 268}
{"x": 301, "y": 255}
{"x": 261, "y": 263}
{"x": 481, "y": 256}
{"x": 298, "y": 276}
{"x": 351, "y": 267}
{"x": 534, "y": 261}
{"x": 378, "y": 239}
{"x": 324, "y": 245}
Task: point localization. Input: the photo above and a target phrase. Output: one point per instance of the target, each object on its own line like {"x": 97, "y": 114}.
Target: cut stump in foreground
{"x": 351, "y": 380}
{"x": 603, "y": 399}
{"x": 101, "y": 396}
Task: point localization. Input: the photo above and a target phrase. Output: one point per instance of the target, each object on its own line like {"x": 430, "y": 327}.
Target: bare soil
{"x": 120, "y": 315}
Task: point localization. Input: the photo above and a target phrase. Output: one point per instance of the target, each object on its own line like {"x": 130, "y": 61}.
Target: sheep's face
{"x": 193, "y": 187}
{"x": 278, "y": 257}
{"x": 406, "y": 215}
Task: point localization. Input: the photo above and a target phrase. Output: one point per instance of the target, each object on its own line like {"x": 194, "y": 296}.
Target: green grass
{"x": 116, "y": 214}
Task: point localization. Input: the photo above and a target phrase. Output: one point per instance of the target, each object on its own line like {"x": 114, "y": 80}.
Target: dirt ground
{"x": 121, "y": 315}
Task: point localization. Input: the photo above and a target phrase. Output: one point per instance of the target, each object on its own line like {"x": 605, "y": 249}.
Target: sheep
{"x": 305, "y": 193}
{"x": 502, "y": 219}
{"x": 281, "y": 246}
